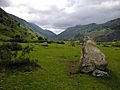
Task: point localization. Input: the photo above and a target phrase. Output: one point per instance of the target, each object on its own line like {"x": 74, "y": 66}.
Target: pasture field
{"x": 59, "y": 70}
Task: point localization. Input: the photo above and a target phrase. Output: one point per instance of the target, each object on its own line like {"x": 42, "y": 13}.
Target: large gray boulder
{"x": 92, "y": 59}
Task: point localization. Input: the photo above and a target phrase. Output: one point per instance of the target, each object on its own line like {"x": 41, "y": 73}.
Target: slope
{"x": 34, "y": 27}
{"x": 12, "y": 29}
{"x": 39, "y": 30}
{"x": 108, "y": 31}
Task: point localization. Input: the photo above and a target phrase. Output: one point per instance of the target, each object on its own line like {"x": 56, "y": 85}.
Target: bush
{"x": 13, "y": 61}
{"x": 11, "y": 46}
{"x": 40, "y": 38}
{"x": 60, "y": 42}
{"x": 116, "y": 44}
{"x": 18, "y": 38}
{"x": 105, "y": 45}
{"x": 5, "y": 55}
{"x": 78, "y": 43}
{"x": 98, "y": 43}
{"x": 51, "y": 41}
{"x": 72, "y": 43}
{"x": 19, "y": 65}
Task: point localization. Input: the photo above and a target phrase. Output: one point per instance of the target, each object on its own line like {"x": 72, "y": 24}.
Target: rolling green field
{"x": 59, "y": 64}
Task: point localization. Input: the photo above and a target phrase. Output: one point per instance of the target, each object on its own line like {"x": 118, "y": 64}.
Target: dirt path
{"x": 73, "y": 67}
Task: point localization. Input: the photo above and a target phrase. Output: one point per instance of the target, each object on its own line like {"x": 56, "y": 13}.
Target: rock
{"x": 44, "y": 44}
{"x": 99, "y": 73}
{"x": 92, "y": 58}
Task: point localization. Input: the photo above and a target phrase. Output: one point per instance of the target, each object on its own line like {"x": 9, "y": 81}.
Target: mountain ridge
{"x": 34, "y": 27}
{"x": 108, "y": 31}
{"x": 43, "y": 32}
{"x": 9, "y": 24}
{"x": 13, "y": 30}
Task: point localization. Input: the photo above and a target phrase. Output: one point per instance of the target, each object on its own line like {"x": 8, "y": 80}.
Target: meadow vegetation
{"x": 58, "y": 68}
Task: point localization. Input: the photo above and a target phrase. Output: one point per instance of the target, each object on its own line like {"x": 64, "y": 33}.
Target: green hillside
{"x": 108, "y": 31}
{"x": 34, "y": 27}
{"x": 13, "y": 30}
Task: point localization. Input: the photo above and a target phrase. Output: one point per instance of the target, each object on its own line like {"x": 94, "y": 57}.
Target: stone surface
{"x": 99, "y": 73}
{"x": 92, "y": 58}
{"x": 44, "y": 44}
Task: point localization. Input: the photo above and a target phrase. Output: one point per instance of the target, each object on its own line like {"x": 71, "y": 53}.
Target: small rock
{"x": 99, "y": 73}
{"x": 44, "y": 44}
{"x": 2, "y": 88}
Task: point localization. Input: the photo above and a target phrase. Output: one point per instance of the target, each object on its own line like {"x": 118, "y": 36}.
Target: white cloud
{"x": 56, "y": 15}
{"x": 110, "y": 4}
{"x": 40, "y": 4}
{"x": 54, "y": 29}
{"x": 20, "y": 12}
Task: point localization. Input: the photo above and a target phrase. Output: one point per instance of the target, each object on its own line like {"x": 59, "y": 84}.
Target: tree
{"x": 40, "y": 38}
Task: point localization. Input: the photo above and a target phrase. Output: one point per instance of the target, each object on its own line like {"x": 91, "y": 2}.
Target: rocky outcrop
{"x": 92, "y": 59}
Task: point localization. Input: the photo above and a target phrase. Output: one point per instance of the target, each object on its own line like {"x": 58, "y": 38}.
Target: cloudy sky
{"x": 57, "y": 15}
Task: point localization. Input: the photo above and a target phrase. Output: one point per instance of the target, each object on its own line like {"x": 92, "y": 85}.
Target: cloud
{"x": 57, "y": 15}
{"x": 4, "y": 3}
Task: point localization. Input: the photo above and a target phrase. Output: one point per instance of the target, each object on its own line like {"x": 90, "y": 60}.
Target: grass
{"x": 56, "y": 61}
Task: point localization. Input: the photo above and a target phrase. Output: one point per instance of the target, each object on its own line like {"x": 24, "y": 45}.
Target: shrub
{"x": 26, "y": 50}
{"x": 40, "y": 38}
{"x": 11, "y": 46}
{"x": 51, "y": 41}
{"x": 45, "y": 38}
{"x": 98, "y": 43}
{"x": 105, "y": 45}
{"x": 18, "y": 38}
{"x": 60, "y": 42}
{"x": 78, "y": 43}
{"x": 116, "y": 44}
{"x": 72, "y": 43}
{"x": 5, "y": 55}
{"x": 13, "y": 61}
{"x": 20, "y": 65}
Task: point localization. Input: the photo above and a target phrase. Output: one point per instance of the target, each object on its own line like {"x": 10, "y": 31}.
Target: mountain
{"x": 22, "y": 24}
{"x": 42, "y": 32}
{"x": 13, "y": 29}
{"x": 108, "y": 31}
{"x": 35, "y": 28}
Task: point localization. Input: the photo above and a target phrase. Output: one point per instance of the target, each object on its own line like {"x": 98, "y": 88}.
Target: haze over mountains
{"x": 11, "y": 25}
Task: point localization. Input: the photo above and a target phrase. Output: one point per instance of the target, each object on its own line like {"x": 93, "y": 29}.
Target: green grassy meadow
{"x": 59, "y": 62}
